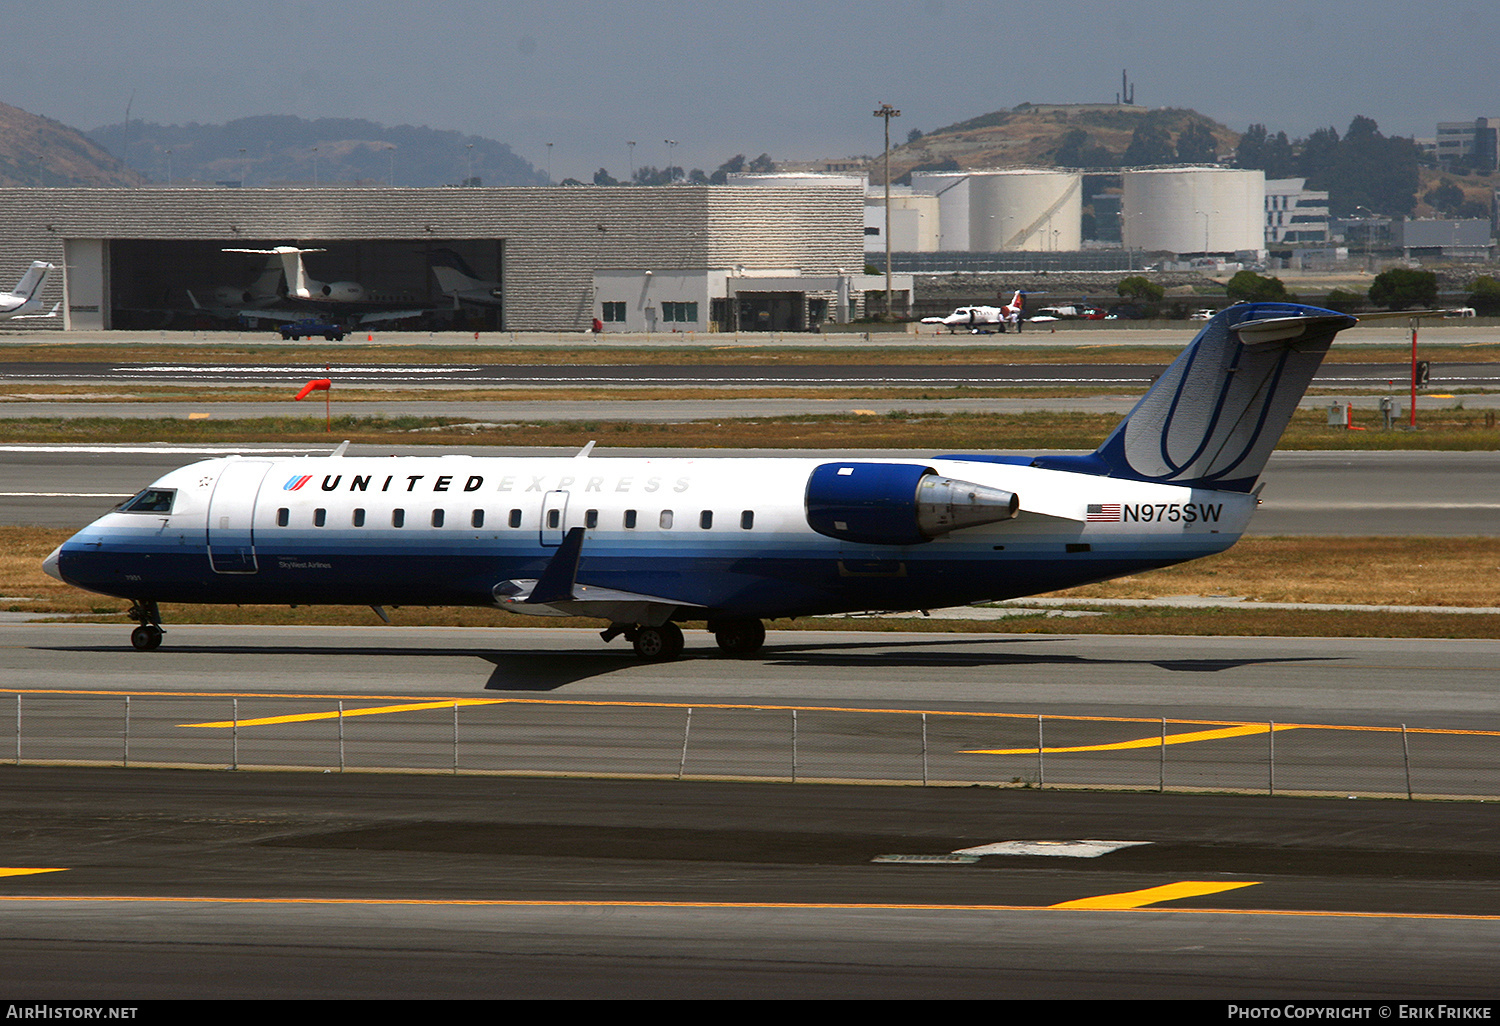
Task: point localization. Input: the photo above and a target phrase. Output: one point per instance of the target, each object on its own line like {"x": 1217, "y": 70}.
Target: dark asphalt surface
{"x": 290, "y": 885}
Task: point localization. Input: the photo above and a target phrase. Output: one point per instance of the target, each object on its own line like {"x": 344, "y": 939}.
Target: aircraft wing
{"x": 558, "y": 593}
{"x": 36, "y": 317}
{"x": 386, "y": 315}
{"x": 275, "y": 314}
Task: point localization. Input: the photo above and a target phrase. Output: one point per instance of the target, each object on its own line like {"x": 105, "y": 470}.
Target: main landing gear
{"x": 148, "y": 635}
{"x": 665, "y": 642}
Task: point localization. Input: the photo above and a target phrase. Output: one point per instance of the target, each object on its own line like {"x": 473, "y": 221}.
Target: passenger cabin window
{"x": 630, "y": 520}
{"x": 554, "y": 519}
{"x": 152, "y": 500}
{"x": 476, "y": 519}
{"x": 515, "y": 518}
{"x": 398, "y": 518}
{"x": 591, "y": 519}
{"x": 359, "y": 518}
{"x": 320, "y": 517}
{"x": 706, "y": 519}
{"x": 665, "y": 520}
{"x": 437, "y": 518}
{"x": 747, "y": 519}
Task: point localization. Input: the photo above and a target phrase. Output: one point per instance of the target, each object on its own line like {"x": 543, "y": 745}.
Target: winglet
{"x": 556, "y": 582}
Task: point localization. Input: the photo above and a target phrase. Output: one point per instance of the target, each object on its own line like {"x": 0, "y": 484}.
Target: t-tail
{"x": 1212, "y": 419}
{"x": 32, "y": 281}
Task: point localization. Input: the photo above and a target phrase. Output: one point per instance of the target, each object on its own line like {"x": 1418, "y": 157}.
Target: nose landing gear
{"x": 148, "y": 635}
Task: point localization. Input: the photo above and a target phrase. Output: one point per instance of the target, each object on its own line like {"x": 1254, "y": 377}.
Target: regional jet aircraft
{"x": 978, "y": 320}
{"x": 647, "y": 544}
{"x": 24, "y": 302}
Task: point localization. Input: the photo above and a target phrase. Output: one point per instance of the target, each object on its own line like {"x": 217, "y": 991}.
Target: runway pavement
{"x": 162, "y": 883}
{"x": 165, "y": 884}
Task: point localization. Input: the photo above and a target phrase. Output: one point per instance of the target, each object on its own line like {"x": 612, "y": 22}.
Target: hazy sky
{"x": 795, "y": 78}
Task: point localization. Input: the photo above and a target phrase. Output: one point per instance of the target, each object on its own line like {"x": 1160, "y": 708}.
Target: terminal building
{"x": 681, "y": 257}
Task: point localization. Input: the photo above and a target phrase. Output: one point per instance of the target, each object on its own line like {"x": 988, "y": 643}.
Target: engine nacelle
{"x": 898, "y": 503}
{"x": 344, "y": 292}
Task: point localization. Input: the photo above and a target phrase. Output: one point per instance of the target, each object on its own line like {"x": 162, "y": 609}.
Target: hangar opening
{"x": 403, "y": 284}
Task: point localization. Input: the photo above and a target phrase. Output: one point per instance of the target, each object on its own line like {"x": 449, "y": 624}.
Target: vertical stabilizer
{"x": 1213, "y": 418}
{"x": 32, "y": 281}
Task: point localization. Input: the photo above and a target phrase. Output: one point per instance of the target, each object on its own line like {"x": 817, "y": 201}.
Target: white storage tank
{"x": 1009, "y": 209}
{"x": 1194, "y": 210}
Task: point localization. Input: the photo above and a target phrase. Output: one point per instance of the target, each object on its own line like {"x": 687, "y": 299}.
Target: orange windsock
{"x": 320, "y": 385}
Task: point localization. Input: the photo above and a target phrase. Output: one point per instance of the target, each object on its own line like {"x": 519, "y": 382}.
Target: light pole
{"x": 169, "y": 169}
{"x": 671, "y": 146}
{"x": 315, "y": 167}
{"x": 549, "y": 163}
{"x": 631, "y": 144}
{"x": 391, "y": 149}
{"x": 468, "y": 164}
{"x": 886, "y": 111}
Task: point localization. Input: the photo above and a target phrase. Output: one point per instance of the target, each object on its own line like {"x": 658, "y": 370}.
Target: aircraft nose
{"x": 50, "y": 564}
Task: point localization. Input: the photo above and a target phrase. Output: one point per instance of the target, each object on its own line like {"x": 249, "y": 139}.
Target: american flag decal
{"x": 1103, "y": 513}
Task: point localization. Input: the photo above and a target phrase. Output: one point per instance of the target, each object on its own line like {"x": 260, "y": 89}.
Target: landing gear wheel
{"x": 658, "y": 644}
{"x": 146, "y": 637}
{"x": 740, "y": 637}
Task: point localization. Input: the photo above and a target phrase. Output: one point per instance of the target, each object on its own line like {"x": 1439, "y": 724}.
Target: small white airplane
{"x": 646, "y": 544}
{"x": 23, "y": 302}
{"x": 976, "y": 319}
{"x": 458, "y": 280}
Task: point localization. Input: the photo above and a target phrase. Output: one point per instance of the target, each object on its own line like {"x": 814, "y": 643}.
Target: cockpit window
{"x": 152, "y": 500}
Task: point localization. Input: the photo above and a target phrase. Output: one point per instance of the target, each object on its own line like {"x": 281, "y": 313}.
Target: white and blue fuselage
{"x": 645, "y": 543}
{"x": 727, "y": 536}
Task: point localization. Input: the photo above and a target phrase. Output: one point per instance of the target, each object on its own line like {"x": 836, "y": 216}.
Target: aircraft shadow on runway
{"x": 848, "y": 654}
{"x": 547, "y": 670}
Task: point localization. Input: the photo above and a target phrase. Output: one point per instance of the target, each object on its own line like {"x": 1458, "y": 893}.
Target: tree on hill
{"x": 1196, "y": 145}
{"x": 1150, "y": 144}
{"x": 1401, "y": 289}
{"x": 1260, "y": 151}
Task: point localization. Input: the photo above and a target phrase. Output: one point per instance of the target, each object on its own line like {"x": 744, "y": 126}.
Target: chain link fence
{"x": 538, "y": 736}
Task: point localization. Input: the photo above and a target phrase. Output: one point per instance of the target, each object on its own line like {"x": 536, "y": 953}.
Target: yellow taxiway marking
{"x": 693, "y": 905}
{"x": 335, "y": 714}
{"x": 15, "y": 871}
{"x": 1145, "y": 742}
{"x": 1152, "y": 895}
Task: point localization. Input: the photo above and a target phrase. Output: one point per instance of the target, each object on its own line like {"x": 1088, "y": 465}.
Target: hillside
{"x": 39, "y": 151}
{"x": 1033, "y": 134}
{"x": 274, "y": 149}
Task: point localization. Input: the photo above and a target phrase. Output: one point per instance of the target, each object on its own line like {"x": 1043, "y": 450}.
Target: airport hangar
{"x": 639, "y": 258}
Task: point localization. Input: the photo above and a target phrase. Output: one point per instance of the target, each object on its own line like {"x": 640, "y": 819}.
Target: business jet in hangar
{"x": 647, "y": 544}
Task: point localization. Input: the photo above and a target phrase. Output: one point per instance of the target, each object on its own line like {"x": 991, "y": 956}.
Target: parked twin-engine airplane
{"x": 340, "y": 296}
{"x": 978, "y": 319}
{"x": 644, "y": 544}
{"x": 23, "y": 303}
{"x": 458, "y": 280}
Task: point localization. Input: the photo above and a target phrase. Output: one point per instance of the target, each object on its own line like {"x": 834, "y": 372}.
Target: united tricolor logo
{"x": 295, "y": 482}
{"x": 1103, "y": 513}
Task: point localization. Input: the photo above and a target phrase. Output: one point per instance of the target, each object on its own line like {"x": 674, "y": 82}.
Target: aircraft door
{"x": 231, "y": 515}
{"x": 554, "y": 517}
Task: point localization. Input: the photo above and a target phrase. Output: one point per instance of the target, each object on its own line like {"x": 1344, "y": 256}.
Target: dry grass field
{"x": 1456, "y": 572}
